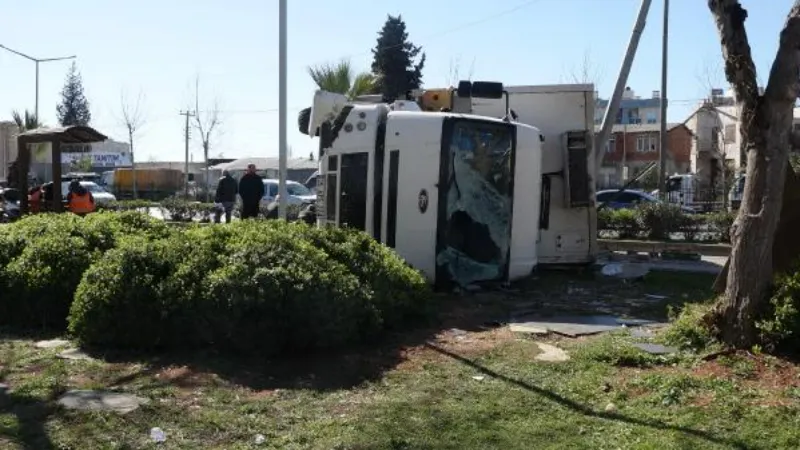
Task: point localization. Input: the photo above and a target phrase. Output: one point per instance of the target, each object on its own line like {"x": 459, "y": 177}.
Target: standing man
{"x": 225, "y": 197}
{"x": 251, "y": 189}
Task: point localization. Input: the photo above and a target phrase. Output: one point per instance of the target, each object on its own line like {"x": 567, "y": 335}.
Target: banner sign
{"x": 99, "y": 159}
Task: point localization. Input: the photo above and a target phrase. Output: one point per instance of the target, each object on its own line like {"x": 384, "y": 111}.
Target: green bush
{"x": 179, "y": 210}
{"x": 780, "y": 326}
{"x": 266, "y": 287}
{"x": 689, "y": 329}
{"x": 43, "y": 258}
{"x": 690, "y": 226}
{"x": 659, "y": 220}
{"x": 119, "y": 301}
{"x": 720, "y": 224}
{"x": 127, "y": 205}
{"x": 40, "y": 282}
{"x": 398, "y": 290}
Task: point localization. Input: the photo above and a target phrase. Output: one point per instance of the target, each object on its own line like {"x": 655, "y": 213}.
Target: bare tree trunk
{"x": 765, "y": 122}
{"x": 786, "y": 248}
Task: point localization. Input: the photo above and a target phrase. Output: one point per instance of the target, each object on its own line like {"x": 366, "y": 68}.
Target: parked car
{"x": 628, "y": 199}
{"x": 298, "y": 194}
{"x": 101, "y": 196}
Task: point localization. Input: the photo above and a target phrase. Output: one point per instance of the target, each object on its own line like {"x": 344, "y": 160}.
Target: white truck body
{"x": 426, "y": 183}
{"x": 570, "y": 237}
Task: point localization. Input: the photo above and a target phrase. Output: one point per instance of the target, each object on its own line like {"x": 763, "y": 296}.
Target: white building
{"x": 8, "y": 147}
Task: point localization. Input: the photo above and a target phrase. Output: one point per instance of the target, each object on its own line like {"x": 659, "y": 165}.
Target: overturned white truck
{"x": 479, "y": 183}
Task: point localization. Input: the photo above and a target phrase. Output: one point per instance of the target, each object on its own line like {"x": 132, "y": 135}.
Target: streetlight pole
{"x": 282, "y": 81}
{"x": 36, "y": 61}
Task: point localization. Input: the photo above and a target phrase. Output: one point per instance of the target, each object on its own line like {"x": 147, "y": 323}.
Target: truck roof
{"x": 458, "y": 115}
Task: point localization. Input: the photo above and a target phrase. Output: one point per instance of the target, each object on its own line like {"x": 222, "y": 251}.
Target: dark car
{"x": 627, "y": 199}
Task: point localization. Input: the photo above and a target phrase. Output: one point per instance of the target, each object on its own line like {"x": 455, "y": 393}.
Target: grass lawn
{"x": 432, "y": 389}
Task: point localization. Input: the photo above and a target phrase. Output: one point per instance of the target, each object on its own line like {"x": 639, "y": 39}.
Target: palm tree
{"x": 340, "y": 78}
{"x": 27, "y": 122}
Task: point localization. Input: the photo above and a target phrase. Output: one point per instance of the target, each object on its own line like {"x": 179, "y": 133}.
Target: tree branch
{"x": 740, "y": 70}
{"x": 783, "y": 85}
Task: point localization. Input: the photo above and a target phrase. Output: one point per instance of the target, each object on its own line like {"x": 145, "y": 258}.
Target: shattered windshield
{"x": 478, "y": 201}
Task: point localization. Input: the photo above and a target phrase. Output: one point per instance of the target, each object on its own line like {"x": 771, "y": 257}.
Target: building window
{"x": 633, "y": 116}
{"x": 730, "y": 134}
{"x": 611, "y": 145}
{"x": 646, "y": 143}
{"x": 651, "y": 117}
{"x": 715, "y": 137}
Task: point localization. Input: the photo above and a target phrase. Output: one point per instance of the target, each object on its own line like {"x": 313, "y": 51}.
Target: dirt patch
{"x": 186, "y": 378}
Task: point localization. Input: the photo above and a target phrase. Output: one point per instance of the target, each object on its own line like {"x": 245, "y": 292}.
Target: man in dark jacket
{"x": 225, "y": 197}
{"x": 251, "y": 189}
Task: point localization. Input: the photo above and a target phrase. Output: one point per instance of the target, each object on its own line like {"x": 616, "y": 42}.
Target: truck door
{"x": 475, "y": 201}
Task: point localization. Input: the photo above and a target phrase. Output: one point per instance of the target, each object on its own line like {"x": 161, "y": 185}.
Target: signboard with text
{"x": 99, "y": 159}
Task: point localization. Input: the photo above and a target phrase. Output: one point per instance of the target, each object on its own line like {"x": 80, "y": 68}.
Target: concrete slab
{"x": 656, "y": 349}
{"x": 88, "y": 400}
{"x": 551, "y": 353}
{"x": 75, "y": 354}
{"x": 572, "y": 325}
{"x": 52, "y": 343}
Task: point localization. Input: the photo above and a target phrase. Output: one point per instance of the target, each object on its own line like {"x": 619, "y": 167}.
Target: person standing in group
{"x": 251, "y": 190}
{"x": 225, "y": 197}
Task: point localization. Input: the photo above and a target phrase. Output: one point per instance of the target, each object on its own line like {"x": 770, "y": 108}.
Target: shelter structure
{"x": 55, "y": 136}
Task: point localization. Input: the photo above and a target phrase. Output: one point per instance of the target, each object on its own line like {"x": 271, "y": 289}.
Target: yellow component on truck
{"x": 436, "y": 99}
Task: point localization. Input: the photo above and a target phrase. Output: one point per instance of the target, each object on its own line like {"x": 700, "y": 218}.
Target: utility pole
{"x": 187, "y": 115}
{"x": 282, "y": 81}
{"x": 662, "y": 160}
{"x": 622, "y": 79}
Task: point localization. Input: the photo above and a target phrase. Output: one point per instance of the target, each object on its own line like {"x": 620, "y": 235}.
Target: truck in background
{"x": 151, "y": 184}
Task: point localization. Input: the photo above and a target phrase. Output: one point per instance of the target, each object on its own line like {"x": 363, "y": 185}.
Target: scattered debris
{"x": 75, "y": 354}
{"x": 260, "y": 439}
{"x": 655, "y": 349}
{"x": 605, "y": 387}
{"x": 478, "y": 377}
{"x": 52, "y": 343}
{"x": 642, "y": 333}
{"x": 457, "y": 332}
{"x": 611, "y": 407}
{"x": 625, "y": 271}
{"x": 656, "y": 297}
{"x": 551, "y": 353}
{"x": 157, "y": 435}
{"x": 88, "y": 400}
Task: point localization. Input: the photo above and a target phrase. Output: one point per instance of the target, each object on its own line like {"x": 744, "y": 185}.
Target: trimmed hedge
{"x": 125, "y": 280}
{"x": 664, "y": 222}
{"x": 44, "y": 256}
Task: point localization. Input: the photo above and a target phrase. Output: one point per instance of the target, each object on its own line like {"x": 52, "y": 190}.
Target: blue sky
{"x": 159, "y": 47}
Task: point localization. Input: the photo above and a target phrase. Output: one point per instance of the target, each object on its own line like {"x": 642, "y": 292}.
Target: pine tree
{"x": 74, "y": 108}
{"x": 393, "y": 61}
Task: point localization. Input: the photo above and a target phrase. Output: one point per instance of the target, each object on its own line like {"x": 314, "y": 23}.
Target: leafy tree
{"x": 74, "y": 108}
{"x": 341, "y": 79}
{"x": 26, "y": 122}
{"x": 394, "y": 61}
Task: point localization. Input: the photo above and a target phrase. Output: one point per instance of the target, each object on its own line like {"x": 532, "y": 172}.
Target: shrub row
{"x": 663, "y": 222}
{"x": 127, "y": 281}
{"x": 181, "y": 210}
